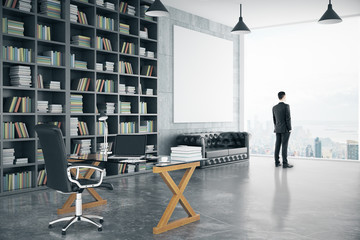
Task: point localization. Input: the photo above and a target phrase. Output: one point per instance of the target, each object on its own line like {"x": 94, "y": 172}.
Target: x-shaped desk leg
{"x": 178, "y": 196}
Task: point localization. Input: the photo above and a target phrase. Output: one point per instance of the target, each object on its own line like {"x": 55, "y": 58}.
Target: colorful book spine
{"x": 125, "y": 67}
{"x": 42, "y": 178}
{"x": 103, "y": 44}
{"x": 147, "y": 70}
{"x": 123, "y": 168}
{"x": 83, "y": 129}
{"x": 124, "y": 28}
{"x": 14, "y": 181}
{"x": 51, "y": 8}
{"x": 43, "y": 32}
{"x": 82, "y": 18}
{"x": 147, "y": 126}
{"x": 127, "y": 127}
{"x": 56, "y": 58}
{"x": 13, "y": 27}
{"x": 100, "y": 128}
{"x": 128, "y": 48}
{"x": 104, "y": 22}
{"x": 83, "y": 84}
{"x": 143, "y": 108}
{"x": 18, "y": 104}
{"x": 17, "y": 54}
{"x": 12, "y": 130}
{"x": 103, "y": 85}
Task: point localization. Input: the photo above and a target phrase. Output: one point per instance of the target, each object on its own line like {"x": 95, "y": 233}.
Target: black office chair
{"x": 59, "y": 176}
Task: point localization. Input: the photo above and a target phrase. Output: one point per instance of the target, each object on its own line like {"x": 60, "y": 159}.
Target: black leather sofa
{"x": 218, "y": 147}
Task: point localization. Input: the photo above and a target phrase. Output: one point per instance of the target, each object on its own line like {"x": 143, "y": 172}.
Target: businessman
{"x": 282, "y": 123}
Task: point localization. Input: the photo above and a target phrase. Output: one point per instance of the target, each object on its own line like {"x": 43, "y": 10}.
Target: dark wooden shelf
{"x": 62, "y": 31}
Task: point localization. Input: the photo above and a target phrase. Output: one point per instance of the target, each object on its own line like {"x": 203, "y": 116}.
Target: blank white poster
{"x": 203, "y": 77}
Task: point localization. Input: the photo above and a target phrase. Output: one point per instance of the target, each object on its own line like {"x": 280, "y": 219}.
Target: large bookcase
{"x": 142, "y": 33}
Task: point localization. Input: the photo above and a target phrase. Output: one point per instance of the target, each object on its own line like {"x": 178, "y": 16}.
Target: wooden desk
{"x": 98, "y": 200}
{"x": 178, "y": 191}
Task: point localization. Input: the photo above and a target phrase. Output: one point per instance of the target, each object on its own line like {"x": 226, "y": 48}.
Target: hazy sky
{"x": 318, "y": 66}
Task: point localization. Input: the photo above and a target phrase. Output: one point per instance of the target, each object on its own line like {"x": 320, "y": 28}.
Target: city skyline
{"x": 262, "y": 141}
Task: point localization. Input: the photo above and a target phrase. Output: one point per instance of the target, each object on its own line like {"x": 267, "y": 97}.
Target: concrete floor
{"x": 248, "y": 200}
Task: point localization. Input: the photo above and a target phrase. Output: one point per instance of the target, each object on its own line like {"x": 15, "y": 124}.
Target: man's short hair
{"x": 281, "y": 95}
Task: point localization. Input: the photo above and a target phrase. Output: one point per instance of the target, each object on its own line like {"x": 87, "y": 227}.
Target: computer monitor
{"x": 130, "y": 145}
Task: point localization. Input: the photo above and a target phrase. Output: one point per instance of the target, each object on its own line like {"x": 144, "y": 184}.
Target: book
{"x": 105, "y": 22}
{"x": 82, "y": 146}
{"x": 125, "y": 67}
{"x": 20, "y": 76}
{"x": 51, "y": 8}
{"x": 13, "y": 27}
{"x": 127, "y": 127}
{"x": 81, "y": 40}
{"x": 43, "y": 32}
{"x": 124, "y": 28}
{"x": 147, "y": 70}
{"x": 76, "y": 103}
{"x": 17, "y": 54}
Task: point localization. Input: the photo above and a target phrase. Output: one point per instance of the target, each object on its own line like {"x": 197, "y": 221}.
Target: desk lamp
{"x": 103, "y": 117}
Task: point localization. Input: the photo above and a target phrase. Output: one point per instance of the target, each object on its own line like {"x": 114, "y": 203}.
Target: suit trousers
{"x": 282, "y": 140}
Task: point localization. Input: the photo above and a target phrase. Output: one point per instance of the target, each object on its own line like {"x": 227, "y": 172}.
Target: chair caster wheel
{"x": 101, "y": 220}
{"x": 63, "y": 232}
{"x": 100, "y": 229}
{"x": 50, "y": 226}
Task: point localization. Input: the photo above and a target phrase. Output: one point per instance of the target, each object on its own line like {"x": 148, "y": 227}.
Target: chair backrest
{"x": 52, "y": 143}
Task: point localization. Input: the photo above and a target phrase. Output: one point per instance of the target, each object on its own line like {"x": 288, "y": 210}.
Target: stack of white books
{"x": 150, "y": 54}
{"x": 149, "y": 91}
{"x": 122, "y": 88}
{"x": 73, "y": 13}
{"x": 110, "y": 107}
{"x": 53, "y": 85}
{"x": 85, "y": 146}
{"x": 149, "y": 148}
{"x": 74, "y": 126}
{"x": 186, "y": 153}
{"x": 100, "y": 2}
{"x": 99, "y": 66}
{"x": 131, "y": 10}
{"x": 25, "y": 5}
{"x": 42, "y": 106}
{"x": 110, "y": 5}
{"x": 143, "y": 34}
{"x": 142, "y": 51}
{"x": 20, "y": 76}
{"x": 8, "y": 156}
{"x": 109, "y": 66}
{"x": 55, "y": 108}
{"x": 130, "y": 89}
{"x": 21, "y": 160}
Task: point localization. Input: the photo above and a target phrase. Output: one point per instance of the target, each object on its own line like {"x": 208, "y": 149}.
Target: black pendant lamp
{"x": 240, "y": 27}
{"x": 157, "y": 9}
{"x": 330, "y": 16}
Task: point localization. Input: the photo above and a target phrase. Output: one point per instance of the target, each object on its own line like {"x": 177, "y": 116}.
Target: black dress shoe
{"x": 277, "y": 164}
{"x": 287, "y": 166}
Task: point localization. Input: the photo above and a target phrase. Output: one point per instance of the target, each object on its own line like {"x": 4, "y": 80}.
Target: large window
{"x": 318, "y": 66}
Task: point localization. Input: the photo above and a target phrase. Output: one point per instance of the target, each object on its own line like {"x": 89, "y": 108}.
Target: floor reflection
{"x": 282, "y": 199}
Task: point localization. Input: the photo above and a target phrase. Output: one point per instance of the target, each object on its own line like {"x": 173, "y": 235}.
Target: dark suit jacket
{"x": 282, "y": 119}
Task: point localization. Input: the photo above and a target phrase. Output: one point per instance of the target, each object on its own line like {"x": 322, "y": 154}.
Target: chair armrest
{"x": 85, "y": 165}
{"x": 77, "y": 167}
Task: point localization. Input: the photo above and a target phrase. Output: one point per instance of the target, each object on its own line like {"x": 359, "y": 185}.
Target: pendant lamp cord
{"x": 240, "y": 11}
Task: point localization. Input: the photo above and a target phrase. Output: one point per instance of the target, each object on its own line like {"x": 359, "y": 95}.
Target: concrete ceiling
{"x": 264, "y": 13}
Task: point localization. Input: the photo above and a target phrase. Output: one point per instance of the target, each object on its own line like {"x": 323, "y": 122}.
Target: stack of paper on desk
{"x": 186, "y": 153}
